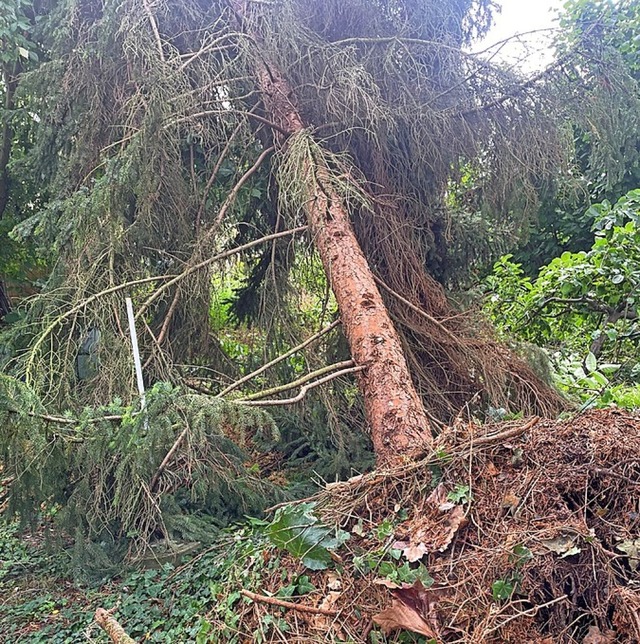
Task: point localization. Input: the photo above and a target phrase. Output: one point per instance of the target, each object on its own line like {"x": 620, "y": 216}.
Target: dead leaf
{"x": 632, "y": 550}
{"x": 510, "y": 502}
{"x": 413, "y": 608}
{"x": 433, "y": 528}
{"x": 415, "y": 552}
{"x": 562, "y": 545}
{"x": 333, "y": 581}
{"x": 382, "y": 581}
{"x": 596, "y": 636}
{"x": 438, "y": 496}
{"x": 456, "y": 520}
{"x": 491, "y": 469}
{"x": 325, "y": 623}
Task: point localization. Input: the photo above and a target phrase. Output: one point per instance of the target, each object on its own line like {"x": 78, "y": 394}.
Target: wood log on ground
{"x": 111, "y": 627}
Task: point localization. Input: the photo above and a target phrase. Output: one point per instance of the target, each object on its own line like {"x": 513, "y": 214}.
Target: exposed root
{"x": 552, "y": 517}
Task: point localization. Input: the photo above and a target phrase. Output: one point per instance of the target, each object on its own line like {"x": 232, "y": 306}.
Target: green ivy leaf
{"x": 296, "y": 529}
{"x": 502, "y": 589}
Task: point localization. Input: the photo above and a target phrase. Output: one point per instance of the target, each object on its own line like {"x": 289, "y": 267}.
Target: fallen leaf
{"x": 632, "y": 550}
{"x": 510, "y": 502}
{"x": 333, "y": 582}
{"x": 434, "y": 527}
{"x": 491, "y": 469}
{"x": 383, "y": 581}
{"x": 438, "y": 496}
{"x": 456, "y": 520}
{"x": 596, "y": 636}
{"x": 562, "y": 545}
{"x": 325, "y": 623}
{"x": 415, "y": 552}
{"x": 413, "y": 608}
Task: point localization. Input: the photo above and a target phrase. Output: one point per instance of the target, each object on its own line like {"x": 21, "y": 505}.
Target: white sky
{"x": 532, "y": 52}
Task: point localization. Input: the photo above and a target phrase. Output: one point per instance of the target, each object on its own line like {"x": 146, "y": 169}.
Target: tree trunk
{"x": 399, "y": 425}
{"x": 6, "y": 134}
{"x": 5, "y": 301}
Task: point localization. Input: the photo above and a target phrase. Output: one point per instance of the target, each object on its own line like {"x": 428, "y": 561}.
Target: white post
{"x": 136, "y": 353}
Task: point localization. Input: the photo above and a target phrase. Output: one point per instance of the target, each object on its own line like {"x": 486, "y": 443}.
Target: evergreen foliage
{"x": 157, "y": 168}
{"x": 178, "y": 470}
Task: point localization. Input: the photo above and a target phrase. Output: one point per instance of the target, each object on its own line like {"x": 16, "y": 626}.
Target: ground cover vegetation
{"x": 294, "y": 197}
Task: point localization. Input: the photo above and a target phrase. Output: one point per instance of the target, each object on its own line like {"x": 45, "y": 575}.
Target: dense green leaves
{"x": 583, "y": 303}
{"x": 15, "y": 27}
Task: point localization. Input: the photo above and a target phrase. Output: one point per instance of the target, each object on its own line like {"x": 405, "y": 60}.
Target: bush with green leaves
{"x": 582, "y": 307}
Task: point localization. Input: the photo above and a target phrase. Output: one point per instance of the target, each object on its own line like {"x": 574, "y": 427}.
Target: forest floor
{"x": 527, "y": 531}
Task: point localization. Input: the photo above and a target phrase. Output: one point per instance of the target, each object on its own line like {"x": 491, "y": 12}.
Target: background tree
{"x": 606, "y": 159}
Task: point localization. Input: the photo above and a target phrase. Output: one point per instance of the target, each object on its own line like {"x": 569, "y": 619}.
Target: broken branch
{"x": 274, "y": 601}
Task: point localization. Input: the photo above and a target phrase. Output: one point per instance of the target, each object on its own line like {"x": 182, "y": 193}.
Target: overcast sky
{"x": 519, "y": 16}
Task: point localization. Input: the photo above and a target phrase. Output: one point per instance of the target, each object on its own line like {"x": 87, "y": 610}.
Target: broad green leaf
{"x": 296, "y": 529}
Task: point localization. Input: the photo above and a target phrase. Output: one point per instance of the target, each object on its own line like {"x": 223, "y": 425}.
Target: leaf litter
{"x": 556, "y": 531}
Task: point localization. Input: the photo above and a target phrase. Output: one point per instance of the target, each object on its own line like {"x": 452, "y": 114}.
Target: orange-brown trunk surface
{"x": 399, "y": 425}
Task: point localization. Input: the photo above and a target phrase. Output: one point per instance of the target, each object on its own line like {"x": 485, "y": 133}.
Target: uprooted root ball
{"x": 530, "y": 531}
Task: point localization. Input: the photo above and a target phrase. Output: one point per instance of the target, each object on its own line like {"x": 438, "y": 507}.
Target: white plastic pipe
{"x": 136, "y": 352}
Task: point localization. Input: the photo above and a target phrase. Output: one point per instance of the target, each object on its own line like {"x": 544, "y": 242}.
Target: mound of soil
{"x": 529, "y": 529}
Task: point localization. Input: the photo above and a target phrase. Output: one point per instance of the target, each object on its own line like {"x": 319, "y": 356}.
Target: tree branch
{"x": 274, "y": 601}
{"x": 303, "y": 391}
{"x": 6, "y": 135}
{"x": 298, "y": 382}
{"x": 220, "y": 256}
{"x": 284, "y": 356}
{"x": 154, "y": 28}
{"x": 169, "y": 455}
{"x": 231, "y": 197}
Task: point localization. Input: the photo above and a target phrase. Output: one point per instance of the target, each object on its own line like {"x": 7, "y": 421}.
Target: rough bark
{"x": 399, "y": 425}
{"x": 112, "y": 628}
{"x": 6, "y": 134}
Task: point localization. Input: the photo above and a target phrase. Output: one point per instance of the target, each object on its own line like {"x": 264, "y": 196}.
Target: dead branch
{"x": 231, "y": 197}
{"x": 111, "y": 627}
{"x": 418, "y": 310}
{"x": 154, "y": 28}
{"x": 303, "y": 391}
{"x": 502, "y": 436}
{"x": 212, "y": 260}
{"x": 214, "y": 173}
{"x": 284, "y": 356}
{"x": 274, "y": 601}
{"x": 169, "y": 455}
{"x": 300, "y": 381}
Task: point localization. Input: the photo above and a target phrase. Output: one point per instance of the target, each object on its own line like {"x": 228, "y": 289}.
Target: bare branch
{"x": 284, "y": 356}
{"x": 303, "y": 391}
{"x": 298, "y": 382}
{"x": 212, "y": 260}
